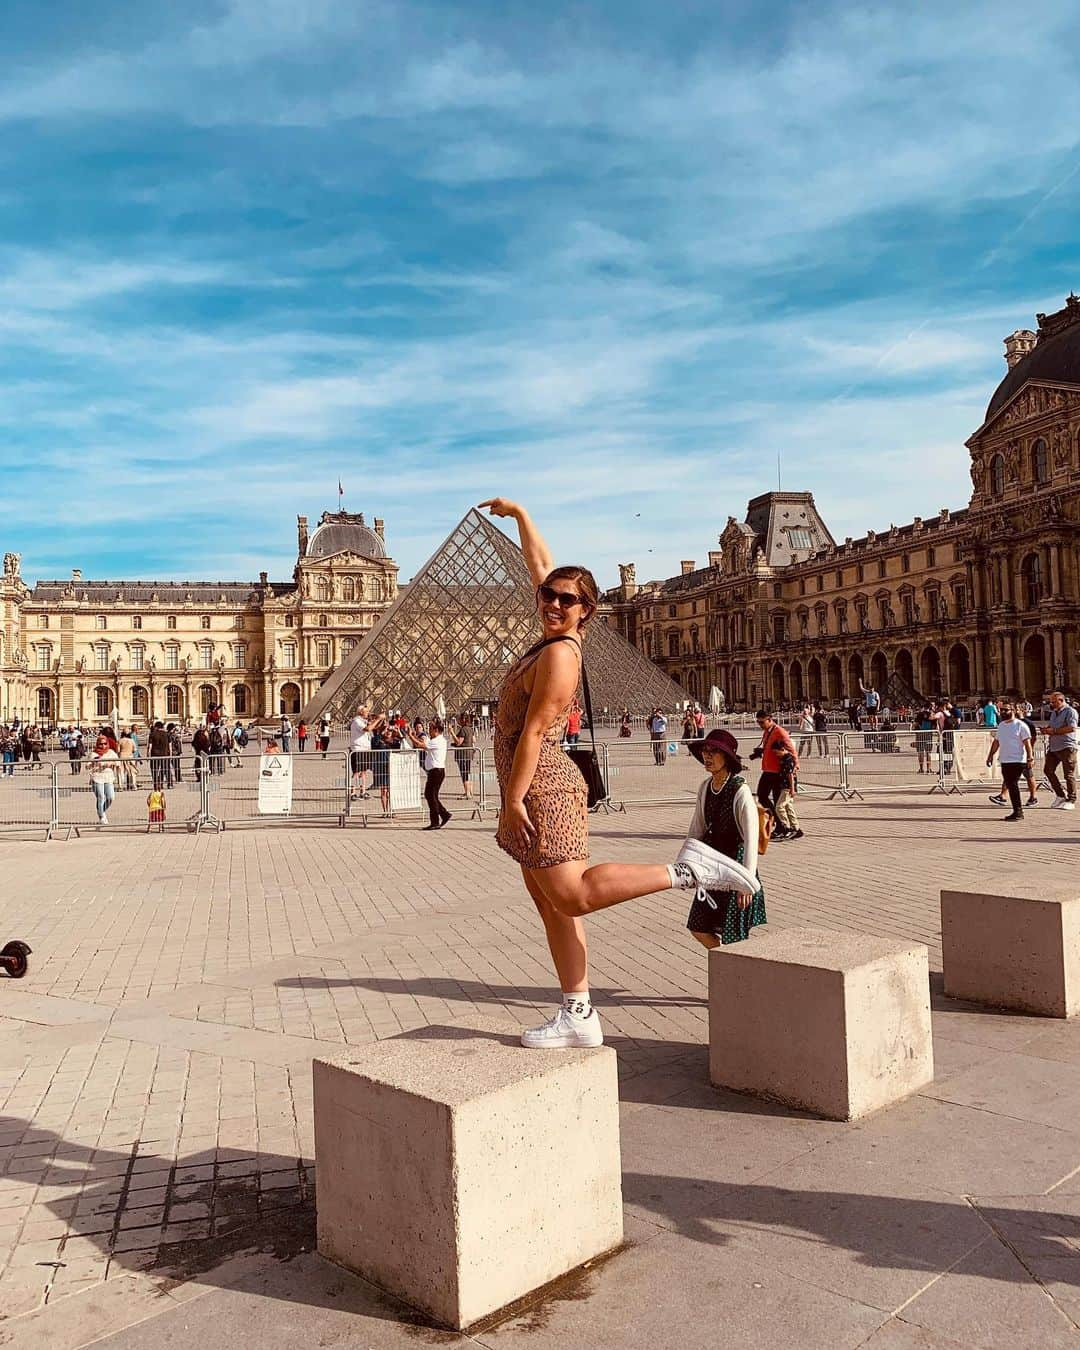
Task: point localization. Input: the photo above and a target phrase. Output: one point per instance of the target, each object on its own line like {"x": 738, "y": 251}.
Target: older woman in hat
{"x": 726, "y": 818}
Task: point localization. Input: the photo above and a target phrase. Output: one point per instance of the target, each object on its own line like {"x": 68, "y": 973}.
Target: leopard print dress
{"x": 557, "y": 800}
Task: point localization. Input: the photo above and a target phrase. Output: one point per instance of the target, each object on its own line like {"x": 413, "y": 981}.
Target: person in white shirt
{"x": 286, "y": 732}
{"x": 103, "y": 766}
{"x": 1012, "y": 740}
{"x": 434, "y": 745}
{"x": 360, "y": 749}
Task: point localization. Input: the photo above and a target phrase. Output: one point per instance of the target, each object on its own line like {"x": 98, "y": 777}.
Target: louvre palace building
{"x": 985, "y": 599}
{"x": 81, "y": 651}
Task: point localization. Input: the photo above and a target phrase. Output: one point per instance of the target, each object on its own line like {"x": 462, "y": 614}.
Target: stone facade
{"x": 80, "y": 651}
{"x": 969, "y": 602}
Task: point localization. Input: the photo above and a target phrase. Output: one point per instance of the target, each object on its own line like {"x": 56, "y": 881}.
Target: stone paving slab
{"x": 155, "y": 1077}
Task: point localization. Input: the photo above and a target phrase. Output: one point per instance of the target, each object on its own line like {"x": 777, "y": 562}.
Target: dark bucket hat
{"x": 717, "y": 739}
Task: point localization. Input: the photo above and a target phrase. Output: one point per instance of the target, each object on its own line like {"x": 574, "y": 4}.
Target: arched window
{"x": 1031, "y": 571}
{"x": 997, "y": 475}
{"x": 240, "y": 700}
{"x": 348, "y": 588}
{"x": 204, "y": 620}
{"x": 1040, "y": 461}
{"x": 207, "y": 697}
{"x": 322, "y": 588}
{"x": 140, "y": 702}
{"x": 170, "y": 621}
{"x": 43, "y": 621}
{"x": 173, "y": 700}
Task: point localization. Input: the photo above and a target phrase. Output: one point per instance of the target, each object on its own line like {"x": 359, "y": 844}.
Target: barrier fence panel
{"x": 968, "y": 769}
{"x": 126, "y": 804}
{"x": 822, "y": 761}
{"x": 638, "y": 772}
{"x": 896, "y": 760}
{"x": 27, "y": 796}
{"x": 259, "y": 787}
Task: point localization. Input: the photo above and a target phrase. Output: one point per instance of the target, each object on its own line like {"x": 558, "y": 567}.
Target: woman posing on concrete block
{"x": 543, "y": 824}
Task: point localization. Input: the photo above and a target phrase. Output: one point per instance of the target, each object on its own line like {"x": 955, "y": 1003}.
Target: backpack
{"x": 242, "y": 739}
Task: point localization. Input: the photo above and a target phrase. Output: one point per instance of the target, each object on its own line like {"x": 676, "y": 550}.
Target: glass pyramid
{"x": 445, "y": 645}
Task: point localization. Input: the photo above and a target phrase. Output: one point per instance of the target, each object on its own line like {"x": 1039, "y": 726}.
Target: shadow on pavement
{"x": 475, "y": 991}
{"x": 891, "y": 1232}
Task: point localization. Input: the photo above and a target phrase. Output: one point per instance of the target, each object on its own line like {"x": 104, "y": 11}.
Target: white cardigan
{"x": 746, "y": 817}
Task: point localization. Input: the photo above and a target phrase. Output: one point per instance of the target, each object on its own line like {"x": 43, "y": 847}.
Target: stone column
{"x": 1008, "y": 661}
{"x": 978, "y": 645}
{"x": 1055, "y": 568}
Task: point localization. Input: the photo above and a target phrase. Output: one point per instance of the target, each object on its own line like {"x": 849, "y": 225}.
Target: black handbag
{"x": 586, "y": 758}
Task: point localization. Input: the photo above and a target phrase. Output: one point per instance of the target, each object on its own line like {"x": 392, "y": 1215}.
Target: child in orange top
{"x": 155, "y": 803}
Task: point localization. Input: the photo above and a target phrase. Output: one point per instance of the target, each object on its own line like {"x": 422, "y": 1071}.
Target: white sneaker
{"x": 565, "y": 1032}
{"x": 714, "y": 871}
{"x": 104, "y": 820}
{"x": 1067, "y": 806}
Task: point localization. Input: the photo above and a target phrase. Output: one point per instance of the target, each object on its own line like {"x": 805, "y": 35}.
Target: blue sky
{"x": 609, "y": 258}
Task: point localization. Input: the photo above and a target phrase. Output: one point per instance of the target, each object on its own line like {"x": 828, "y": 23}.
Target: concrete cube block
{"x": 460, "y": 1171}
{"x": 835, "y": 1023}
{"x": 1019, "y": 950}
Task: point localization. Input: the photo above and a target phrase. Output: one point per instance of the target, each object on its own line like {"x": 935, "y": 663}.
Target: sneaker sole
{"x": 563, "y": 1043}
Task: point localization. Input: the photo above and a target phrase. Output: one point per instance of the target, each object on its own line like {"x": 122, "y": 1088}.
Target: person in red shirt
{"x": 775, "y": 742}
{"x": 573, "y": 723}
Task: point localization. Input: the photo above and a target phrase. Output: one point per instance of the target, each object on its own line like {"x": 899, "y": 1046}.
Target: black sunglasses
{"x": 564, "y": 599}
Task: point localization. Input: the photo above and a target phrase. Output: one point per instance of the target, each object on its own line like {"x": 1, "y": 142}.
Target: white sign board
{"x": 970, "y": 749}
{"x": 275, "y": 785}
{"x": 406, "y": 781}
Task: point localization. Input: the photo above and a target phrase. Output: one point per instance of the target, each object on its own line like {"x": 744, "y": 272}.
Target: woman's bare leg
{"x": 575, "y": 888}
{"x": 565, "y": 938}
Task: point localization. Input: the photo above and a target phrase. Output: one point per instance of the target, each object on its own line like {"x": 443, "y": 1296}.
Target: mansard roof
{"x": 104, "y": 593}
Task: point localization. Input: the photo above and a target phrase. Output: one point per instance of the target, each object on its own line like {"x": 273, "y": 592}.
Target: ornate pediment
{"x": 1033, "y": 400}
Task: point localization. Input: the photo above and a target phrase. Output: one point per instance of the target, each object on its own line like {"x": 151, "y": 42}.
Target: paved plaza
{"x": 157, "y": 1185}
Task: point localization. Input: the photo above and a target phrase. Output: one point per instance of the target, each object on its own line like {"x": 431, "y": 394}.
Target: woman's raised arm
{"x": 538, "y": 557}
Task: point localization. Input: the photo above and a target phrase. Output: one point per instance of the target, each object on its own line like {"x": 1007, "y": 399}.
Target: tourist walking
{"x": 1012, "y": 741}
{"x": 324, "y": 735}
{"x": 787, "y": 821}
{"x": 573, "y": 723}
{"x": 1061, "y": 751}
{"x": 126, "y": 751}
{"x": 159, "y": 751}
{"x": 543, "y": 823}
{"x": 434, "y": 746}
{"x": 725, "y": 818}
{"x": 359, "y": 750}
{"x": 806, "y": 732}
{"x": 103, "y": 767}
{"x": 774, "y": 742}
{"x": 76, "y": 750}
{"x": 301, "y": 735}
{"x": 658, "y": 736}
{"x": 176, "y": 751}
{"x": 464, "y": 742}
{"x": 821, "y": 730}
